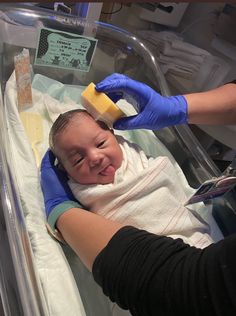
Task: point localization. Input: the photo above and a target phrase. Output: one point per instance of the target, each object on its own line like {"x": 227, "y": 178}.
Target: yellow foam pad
{"x": 33, "y": 125}
{"x": 99, "y": 105}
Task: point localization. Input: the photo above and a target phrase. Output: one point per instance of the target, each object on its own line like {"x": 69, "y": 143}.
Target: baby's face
{"x": 89, "y": 154}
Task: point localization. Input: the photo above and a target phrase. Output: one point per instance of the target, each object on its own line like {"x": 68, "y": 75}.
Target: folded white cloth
{"x": 177, "y": 63}
{"x": 146, "y": 194}
{"x": 174, "y": 55}
{"x": 168, "y": 41}
{"x": 181, "y": 60}
{"x": 177, "y": 70}
{"x": 188, "y": 49}
{"x": 184, "y": 52}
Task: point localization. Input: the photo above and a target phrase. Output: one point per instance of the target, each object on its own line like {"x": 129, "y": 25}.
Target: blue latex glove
{"x": 155, "y": 111}
{"x": 58, "y": 197}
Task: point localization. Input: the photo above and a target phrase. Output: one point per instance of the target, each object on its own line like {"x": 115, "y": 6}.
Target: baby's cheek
{"x": 68, "y": 171}
{"x": 72, "y": 172}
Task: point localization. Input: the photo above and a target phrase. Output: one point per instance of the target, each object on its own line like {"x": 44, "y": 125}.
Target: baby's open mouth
{"x": 108, "y": 171}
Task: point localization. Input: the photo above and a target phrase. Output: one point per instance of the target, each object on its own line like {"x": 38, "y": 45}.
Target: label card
{"x": 213, "y": 188}
{"x": 64, "y": 50}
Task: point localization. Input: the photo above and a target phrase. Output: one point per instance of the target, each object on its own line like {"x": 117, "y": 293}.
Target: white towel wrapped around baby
{"x": 146, "y": 194}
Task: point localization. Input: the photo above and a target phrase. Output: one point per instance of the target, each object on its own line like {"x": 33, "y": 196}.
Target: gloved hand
{"x": 58, "y": 197}
{"x": 155, "y": 111}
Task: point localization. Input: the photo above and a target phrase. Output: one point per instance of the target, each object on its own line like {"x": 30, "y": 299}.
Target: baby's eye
{"x": 101, "y": 144}
{"x": 78, "y": 161}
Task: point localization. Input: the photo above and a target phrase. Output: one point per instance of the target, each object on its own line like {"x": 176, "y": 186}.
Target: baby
{"x": 114, "y": 178}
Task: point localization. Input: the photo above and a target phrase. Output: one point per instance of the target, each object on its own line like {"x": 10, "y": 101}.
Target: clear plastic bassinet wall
{"x": 116, "y": 51}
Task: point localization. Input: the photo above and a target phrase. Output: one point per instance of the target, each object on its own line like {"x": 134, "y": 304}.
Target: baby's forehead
{"x": 78, "y": 119}
{"x": 82, "y": 116}
{"x": 86, "y": 117}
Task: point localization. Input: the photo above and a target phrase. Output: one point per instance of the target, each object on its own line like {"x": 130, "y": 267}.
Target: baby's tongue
{"x": 108, "y": 171}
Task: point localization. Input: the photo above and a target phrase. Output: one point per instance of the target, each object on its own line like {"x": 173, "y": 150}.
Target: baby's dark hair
{"x": 62, "y": 122}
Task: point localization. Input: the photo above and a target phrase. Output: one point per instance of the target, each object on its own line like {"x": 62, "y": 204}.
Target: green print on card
{"x": 64, "y": 50}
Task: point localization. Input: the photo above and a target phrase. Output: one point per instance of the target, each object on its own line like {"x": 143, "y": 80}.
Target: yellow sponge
{"x": 99, "y": 105}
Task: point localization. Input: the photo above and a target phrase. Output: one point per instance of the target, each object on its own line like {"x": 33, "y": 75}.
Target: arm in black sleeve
{"x": 157, "y": 275}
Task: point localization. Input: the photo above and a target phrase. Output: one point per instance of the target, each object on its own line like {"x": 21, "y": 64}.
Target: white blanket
{"x": 146, "y": 194}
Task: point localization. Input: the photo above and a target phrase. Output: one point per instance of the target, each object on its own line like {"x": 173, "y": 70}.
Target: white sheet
{"x": 145, "y": 194}
{"x": 60, "y": 291}
{"x": 58, "y": 284}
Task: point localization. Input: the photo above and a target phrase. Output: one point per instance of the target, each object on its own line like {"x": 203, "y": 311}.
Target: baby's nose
{"x": 94, "y": 162}
{"x": 95, "y": 159}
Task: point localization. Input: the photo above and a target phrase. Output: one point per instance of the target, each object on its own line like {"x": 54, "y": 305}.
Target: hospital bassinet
{"x": 22, "y": 292}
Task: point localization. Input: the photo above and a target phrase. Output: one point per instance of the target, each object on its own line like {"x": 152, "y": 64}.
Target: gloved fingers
{"x": 109, "y": 81}
{"x": 48, "y": 164}
{"x": 128, "y": 123}
{"x": 113, "y": 83}
{"x": 48, "y": 160}
{"x": 115, "y": 76}
{"x": 121, "y": 84}
{"x": 52, "y": 157}
{"x": 118, "y": 82}
{"x": 62, "y": 175}
{"x": 68, "y": 191}
{"x": 115, "y": 96}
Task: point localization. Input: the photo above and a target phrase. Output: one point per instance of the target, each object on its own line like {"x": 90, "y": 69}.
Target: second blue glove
{"x": 155, "y": 111}
{"x": 58, "y": 197}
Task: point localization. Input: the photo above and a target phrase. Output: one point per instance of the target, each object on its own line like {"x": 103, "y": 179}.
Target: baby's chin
{"x": 106, "y": 180}
{"x": 99, "y": 180}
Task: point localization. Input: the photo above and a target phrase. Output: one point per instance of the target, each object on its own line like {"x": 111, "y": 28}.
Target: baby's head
{"x": 87, "y": 149}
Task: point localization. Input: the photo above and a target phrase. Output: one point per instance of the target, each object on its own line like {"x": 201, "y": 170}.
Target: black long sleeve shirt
{"x": 157, "y": 275}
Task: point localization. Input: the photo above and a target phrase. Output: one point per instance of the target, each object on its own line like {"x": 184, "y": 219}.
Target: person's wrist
{"x": 179, "y": 109}
{"x": 54, "y": 215}
{"x": 58, "y": 210}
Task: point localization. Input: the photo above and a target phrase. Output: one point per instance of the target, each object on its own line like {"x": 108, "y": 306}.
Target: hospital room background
{"x": 176, "y": 48}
